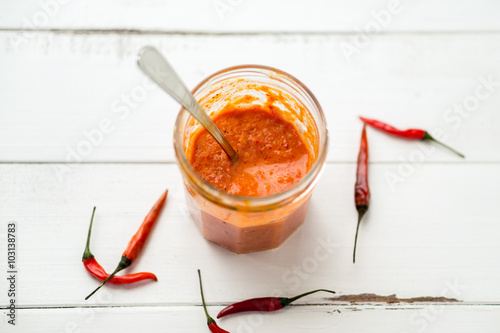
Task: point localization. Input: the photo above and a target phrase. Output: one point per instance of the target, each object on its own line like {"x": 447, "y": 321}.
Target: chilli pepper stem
{"x": 124, "y": 263}
{"x": 286, "y": 301}
{"x": 211, "y": 323}
{"x": 87, "y": 254}
{"x": 361, "y": 213}
{"x": 429, "y": 137}
{"x": 209, "y": 319}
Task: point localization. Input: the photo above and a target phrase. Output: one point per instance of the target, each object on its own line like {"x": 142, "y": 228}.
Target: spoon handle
{"x": 154, "y": 65}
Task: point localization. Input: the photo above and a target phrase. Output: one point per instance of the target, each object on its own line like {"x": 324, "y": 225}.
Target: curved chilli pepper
{"x": 97, "y": 271}
{"x": 361, "y": 189}
{"x": 411, "y": 134}
{"x": 212, "y": 325}
{"x": 137, "y": 242}
{"x": 266, "y": 304}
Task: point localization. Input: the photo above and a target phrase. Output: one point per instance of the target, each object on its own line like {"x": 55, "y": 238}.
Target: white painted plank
{"x": 435, "y": 234}
{"x": 397, "y": 319}
{"x": 57, "y": 86}
{"x": 257, "y": 15}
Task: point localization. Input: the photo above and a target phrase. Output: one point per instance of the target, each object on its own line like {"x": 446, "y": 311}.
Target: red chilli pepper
{"x": 266, "y": 304}
{"x": 97, "y": 271}
{"x": 411, "y": 134}
{"x": 361, "y": 189}
{"x": 138, "y": 240}
{"x": 212, "y": 325}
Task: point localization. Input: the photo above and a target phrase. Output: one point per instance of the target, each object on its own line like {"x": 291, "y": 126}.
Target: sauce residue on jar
{"x": 272, "y": 153}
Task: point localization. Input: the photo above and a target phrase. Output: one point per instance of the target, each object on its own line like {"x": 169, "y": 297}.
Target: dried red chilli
{"x": 97, "y": 271}
{"x": 138, "y": 240}
{"x": 266, "y": 304}
{"x": 361, "y": 189}
{"x": 212, "y": 325}
{"x": 411, "y": 134}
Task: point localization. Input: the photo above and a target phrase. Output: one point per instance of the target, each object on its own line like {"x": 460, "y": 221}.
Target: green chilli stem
{"x": 210, "y": 320}
{"x": 124, "y": 263}
{"x": 286, "y": 301}
{"x": 361, "y": 213}
{"x": 87, "y": 254}
{"x": 427, "y": 136}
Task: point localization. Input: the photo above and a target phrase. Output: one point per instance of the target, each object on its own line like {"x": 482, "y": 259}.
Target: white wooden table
{"x": 78, "y": 129}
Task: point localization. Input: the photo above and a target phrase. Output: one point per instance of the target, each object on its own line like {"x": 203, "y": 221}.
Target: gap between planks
{"x": 344, "y": 305}
{"x": 83, "y": 31}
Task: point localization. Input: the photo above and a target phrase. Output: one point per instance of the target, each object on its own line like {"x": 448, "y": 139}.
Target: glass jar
{"x": 247, "y": 224}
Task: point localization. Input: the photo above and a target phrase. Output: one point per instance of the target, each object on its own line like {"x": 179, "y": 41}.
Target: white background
{"x": 66, "y": 67}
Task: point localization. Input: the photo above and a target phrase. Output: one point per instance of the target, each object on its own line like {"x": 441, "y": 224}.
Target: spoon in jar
{"x": 154, "y": 65}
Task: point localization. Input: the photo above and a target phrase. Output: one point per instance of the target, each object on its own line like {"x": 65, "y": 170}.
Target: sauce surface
{"x": 272, "y": 155}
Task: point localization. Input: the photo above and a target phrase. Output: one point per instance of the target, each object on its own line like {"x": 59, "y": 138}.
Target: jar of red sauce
{"x": 252, "y": 223}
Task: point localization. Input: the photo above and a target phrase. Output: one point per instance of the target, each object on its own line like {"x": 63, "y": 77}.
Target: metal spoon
{"x": 154, "y": 65}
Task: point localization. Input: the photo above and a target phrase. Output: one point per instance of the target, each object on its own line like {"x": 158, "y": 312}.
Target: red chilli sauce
{"x": 277, "y": 141}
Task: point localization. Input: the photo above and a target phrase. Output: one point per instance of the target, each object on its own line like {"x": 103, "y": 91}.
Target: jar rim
{"x": 244, "y": 202}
